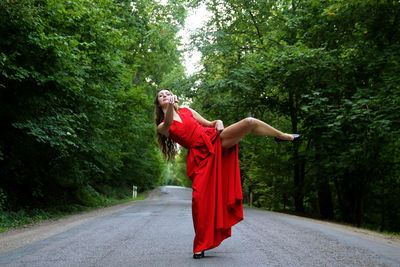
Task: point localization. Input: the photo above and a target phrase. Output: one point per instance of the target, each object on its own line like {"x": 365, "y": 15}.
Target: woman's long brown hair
{"x": 168, "y": 147}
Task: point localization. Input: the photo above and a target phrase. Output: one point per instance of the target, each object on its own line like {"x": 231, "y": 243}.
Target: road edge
{"x": 23, "y": 235}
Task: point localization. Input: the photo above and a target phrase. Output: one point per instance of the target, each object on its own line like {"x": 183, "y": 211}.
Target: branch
{"x": 256, "y": 25}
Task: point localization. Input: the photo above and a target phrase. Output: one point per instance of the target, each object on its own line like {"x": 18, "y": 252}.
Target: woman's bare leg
{"x": 232, "y": 134}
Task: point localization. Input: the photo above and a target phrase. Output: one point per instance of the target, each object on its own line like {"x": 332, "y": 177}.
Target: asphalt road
{"x": 159, "y": 232}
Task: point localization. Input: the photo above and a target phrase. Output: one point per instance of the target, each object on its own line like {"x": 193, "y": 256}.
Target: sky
{"x": 195, "y": 19}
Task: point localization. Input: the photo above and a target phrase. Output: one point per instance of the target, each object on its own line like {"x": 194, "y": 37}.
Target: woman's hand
{"x": 219, "y": 126}
{"x": 173, "y": 99}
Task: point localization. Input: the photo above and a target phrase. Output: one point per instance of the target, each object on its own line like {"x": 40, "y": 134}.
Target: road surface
{"x": 158, "y": 231}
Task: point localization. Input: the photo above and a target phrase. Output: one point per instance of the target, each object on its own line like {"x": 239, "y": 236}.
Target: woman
{"x": 212, "y": 165}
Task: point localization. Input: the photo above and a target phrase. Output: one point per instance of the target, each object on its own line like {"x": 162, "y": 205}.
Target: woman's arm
{"x": 217, "y": 124}
{"x": 163, "y": 127}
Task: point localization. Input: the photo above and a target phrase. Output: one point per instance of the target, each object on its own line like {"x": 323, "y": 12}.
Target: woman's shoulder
{"x": 185, "y": 110}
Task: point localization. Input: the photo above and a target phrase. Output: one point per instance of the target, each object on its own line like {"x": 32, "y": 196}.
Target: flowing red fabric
{"x": 217, "y": 200}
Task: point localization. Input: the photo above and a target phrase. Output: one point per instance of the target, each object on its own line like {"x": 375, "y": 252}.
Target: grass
{"x": 11, "y": 219}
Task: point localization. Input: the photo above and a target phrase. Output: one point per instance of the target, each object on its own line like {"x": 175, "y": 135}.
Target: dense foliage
{"x": 78, "y": 78}
{"x": 326, "y": 69}
{"x": 77, "y": 84}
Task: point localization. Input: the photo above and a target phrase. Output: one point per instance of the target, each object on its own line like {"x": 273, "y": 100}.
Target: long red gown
{"x": 217, "y": 200}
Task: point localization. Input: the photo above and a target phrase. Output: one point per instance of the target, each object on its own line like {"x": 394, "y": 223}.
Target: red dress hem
{"x": 217, "y": 200}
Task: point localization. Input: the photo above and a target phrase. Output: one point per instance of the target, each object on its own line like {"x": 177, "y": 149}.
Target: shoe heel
{"x": 198, "y": 256}
{"x": 296, "y": 138}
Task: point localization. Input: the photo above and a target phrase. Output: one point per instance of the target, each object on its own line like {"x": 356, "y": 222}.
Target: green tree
{"x": 77, "y": 84}
{"x": 326, "y": 69}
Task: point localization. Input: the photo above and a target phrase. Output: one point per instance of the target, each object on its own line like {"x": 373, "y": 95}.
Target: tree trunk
{"x": 298, "y": 183}
{"x": 298, "y": 170}
{"x": 325, "y": 200}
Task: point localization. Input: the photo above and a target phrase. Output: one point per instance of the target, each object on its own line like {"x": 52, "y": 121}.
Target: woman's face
{"x": 163, "y": 97}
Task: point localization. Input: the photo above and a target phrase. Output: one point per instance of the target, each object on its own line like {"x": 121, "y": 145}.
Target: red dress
{"x": 217, "y": 191}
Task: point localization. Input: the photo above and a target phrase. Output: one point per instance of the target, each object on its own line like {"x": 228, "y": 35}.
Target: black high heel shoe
{"x": 297, "y": 138}
{"x": 198, "y": 256}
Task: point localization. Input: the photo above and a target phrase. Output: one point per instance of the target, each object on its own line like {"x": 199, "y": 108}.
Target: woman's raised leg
{"x": 232, "y": 134}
